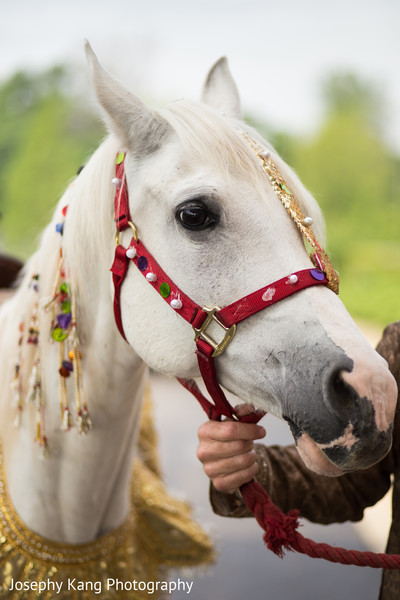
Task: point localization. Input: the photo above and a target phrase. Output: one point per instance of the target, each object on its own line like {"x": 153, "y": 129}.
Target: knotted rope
{"x": 281, "y": 534}
{"x": 280, "y": 531}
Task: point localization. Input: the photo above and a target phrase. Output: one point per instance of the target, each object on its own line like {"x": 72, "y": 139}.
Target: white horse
{"x": 208, "y": 214}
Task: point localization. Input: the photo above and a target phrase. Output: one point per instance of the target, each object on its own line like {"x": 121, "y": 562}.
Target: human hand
{"x": 227, "y": 452}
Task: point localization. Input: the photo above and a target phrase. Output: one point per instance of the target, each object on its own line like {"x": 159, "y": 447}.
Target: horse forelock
{"x": 211, "y": 138}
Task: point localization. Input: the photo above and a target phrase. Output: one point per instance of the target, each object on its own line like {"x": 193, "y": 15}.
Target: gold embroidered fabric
{"x": 128, "y": 563}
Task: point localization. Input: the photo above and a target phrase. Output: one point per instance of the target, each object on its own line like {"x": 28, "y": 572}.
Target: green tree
{"x": 355, "y": 178}
{"x": 45, "y": 136}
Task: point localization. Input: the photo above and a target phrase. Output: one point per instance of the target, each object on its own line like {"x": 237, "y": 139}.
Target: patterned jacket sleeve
{"x": 320, "y": 499}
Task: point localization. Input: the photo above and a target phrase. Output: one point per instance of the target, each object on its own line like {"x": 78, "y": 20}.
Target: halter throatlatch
{"x": 280, "y": 529}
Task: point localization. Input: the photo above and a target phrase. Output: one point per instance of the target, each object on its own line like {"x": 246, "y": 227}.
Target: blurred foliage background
{"x": 47, "y": 132}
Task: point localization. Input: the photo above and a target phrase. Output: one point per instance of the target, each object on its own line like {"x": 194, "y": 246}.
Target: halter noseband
{"x": 200, "y": 317}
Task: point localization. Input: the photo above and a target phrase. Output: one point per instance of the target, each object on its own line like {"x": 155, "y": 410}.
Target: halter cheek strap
{"x": 207, "y": 349}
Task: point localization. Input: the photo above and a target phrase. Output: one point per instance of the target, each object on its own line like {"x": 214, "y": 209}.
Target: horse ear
{"x": 220, "y": 90}
{"x": 138, "y": 128}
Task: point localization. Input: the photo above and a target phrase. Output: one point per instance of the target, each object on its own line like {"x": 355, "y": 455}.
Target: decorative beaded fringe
{"x": 63, "y": 330}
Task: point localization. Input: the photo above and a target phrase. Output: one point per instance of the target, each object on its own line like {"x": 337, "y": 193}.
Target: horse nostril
{"x": 339, "y": 387}
{"x": 340, "y": 394}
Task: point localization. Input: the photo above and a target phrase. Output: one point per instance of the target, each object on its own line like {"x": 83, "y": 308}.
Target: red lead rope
{"x": 280, "y": 529}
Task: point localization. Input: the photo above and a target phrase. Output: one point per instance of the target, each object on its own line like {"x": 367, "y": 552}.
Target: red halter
{"x": 280, "y": 529}
{"x": 200, "y": 318}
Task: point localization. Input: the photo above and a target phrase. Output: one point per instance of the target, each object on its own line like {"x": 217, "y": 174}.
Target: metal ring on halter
{"x": 229, "y": 332}
{"x": 134, "y": 233}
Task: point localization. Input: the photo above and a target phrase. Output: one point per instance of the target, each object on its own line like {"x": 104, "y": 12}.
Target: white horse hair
{"x": 302, "y": 359}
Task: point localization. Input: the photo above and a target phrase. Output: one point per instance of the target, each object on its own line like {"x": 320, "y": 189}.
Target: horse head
{"x": 207, "y": 212}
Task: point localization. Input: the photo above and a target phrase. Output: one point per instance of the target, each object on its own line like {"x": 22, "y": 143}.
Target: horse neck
{"x": 82, "y": 489}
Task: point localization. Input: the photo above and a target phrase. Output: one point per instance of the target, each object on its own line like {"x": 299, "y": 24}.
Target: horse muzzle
{"x": 356, "y": 431}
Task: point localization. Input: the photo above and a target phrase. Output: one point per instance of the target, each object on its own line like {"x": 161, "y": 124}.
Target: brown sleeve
{"x": 291, "y": 484}
{"x": 320, "y": 499}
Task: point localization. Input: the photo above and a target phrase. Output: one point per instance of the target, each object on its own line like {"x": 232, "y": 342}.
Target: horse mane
{"x": 213, "y": 139}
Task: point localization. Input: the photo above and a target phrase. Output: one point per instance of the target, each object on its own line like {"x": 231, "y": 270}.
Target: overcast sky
{"x": 278, "y": 50}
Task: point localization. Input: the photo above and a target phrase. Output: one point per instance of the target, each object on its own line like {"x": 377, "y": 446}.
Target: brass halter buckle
{"x": 219, "y": 347}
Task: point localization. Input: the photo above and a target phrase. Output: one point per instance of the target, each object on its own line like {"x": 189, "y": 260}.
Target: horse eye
{"x": 195, "y": 216}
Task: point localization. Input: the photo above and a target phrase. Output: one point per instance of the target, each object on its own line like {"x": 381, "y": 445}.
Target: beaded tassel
{"x": 84, "y": 422}
{"x": 66, "y": 423}
{"x": 64, "y": 331}
{"x": 34, "y": 394}
{"x": 35, "y": 385}
{"x": 35, "y": 397}
{"x": 16, "y": 384}
{"x": 62, "y": 308}
{"x": 59, "y": 332}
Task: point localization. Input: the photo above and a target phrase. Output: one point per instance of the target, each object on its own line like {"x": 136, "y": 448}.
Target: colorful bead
{"x": 65, "y": 289}
{"x": 64, "y": 319}
{"x": 268, "y": 294}
{"x": 34, "y": 282}
{"x": 120, "y": 157}
{"x": 67, "y": 364}
{"x": 176, "y": 303}
{"x": 64, "y": 372}
{"x": 60, "y": 228}
{"x": 165, "y": 290}
{"x": 66, "y": 306}
{"x": 142, "y": 263}
{"x": 284, "y": 187}
{"x": 58, "y": 334}
{"x": 317, "y": 274}
{"x": 131, "y": 252}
